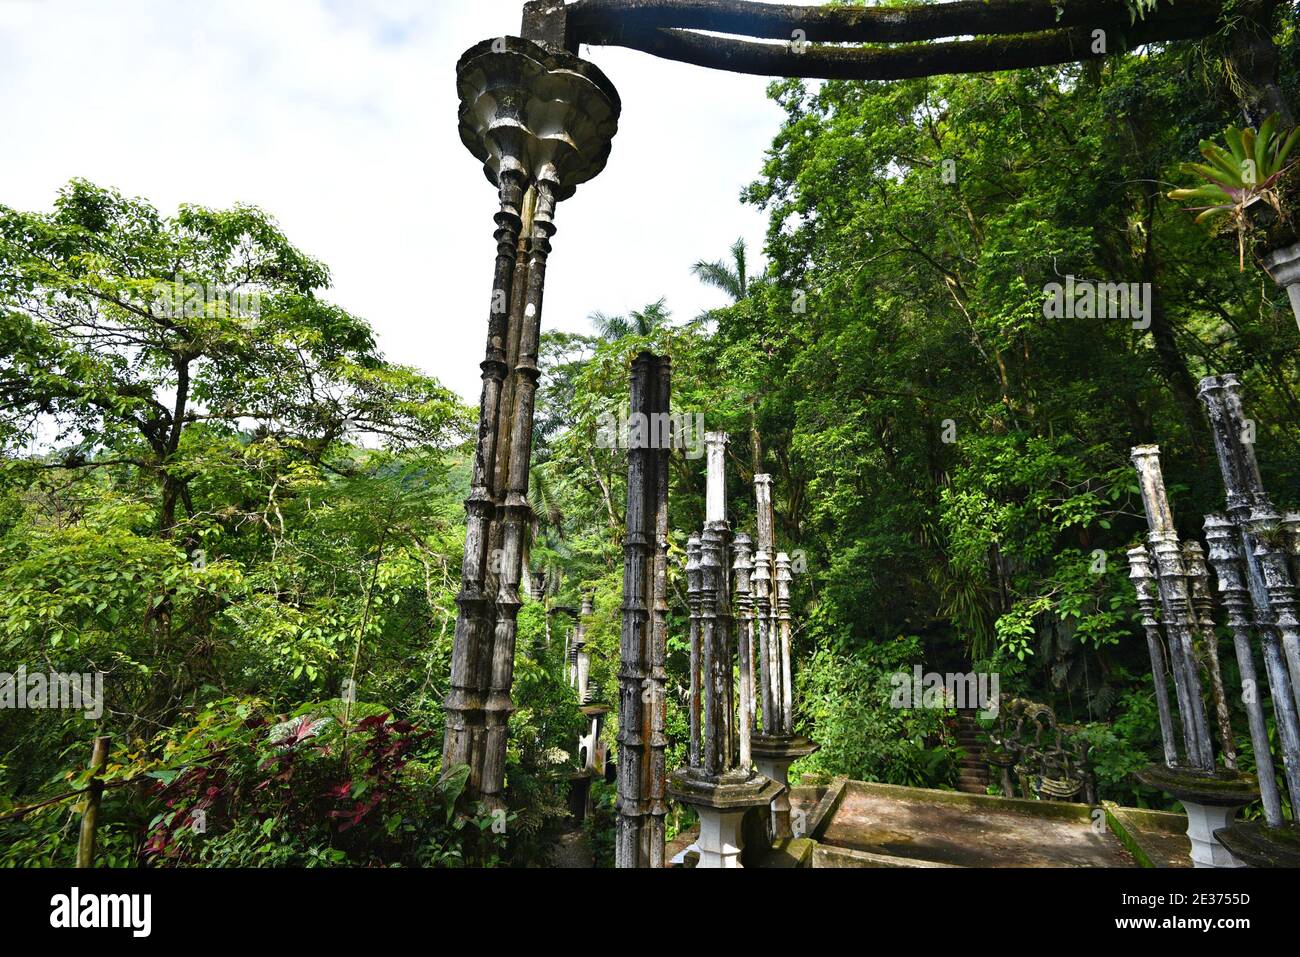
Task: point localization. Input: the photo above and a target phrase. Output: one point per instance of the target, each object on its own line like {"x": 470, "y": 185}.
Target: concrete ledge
{"x": 826, "y": 807}
{"x": 825, "y": 855}
{"x": 794, "y": 853}
{"x": 1059, "y": 810}
{"x": 1155, "y": 838}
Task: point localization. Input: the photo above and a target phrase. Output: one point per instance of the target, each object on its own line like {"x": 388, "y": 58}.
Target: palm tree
{"x": 732, "y": 278}
{"x": 640, "y": 322}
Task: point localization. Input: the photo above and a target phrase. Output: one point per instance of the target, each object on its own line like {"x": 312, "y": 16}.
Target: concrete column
{"x": 512, "y": 130}
{"x": 1144, "y": 581}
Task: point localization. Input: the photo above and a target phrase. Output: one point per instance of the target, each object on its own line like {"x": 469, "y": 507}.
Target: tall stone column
{"x": 763, "y": 604}
{"x": 744, "y": 569}
{"x": 1176, "y": 606}
{"x": 1225, "y": 556}
{"x": 694, "y": 591}
{"x": 784, "y": 579}
{"x": 1198, "y": 581}
{"x": 1265, "y": 557}
{"x": 769, "y": 628}
{"x": 656, "y": 830}
{"x": 1259, "y": 537}
{"x": 717, "y": 530}
{"x": 639, "y": 841}
{"x": 1144, "y": 581}
{"x": 465, "y": 702}
{"x": 541, "y": 121}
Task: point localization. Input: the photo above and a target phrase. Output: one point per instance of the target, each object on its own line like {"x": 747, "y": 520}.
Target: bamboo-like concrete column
{"x": 716, "y": 444}
{"x": 515, "y": 511}
{"x": 464, "y": 703}
{"x": 1198, "y": 580}
{"x": 1258, "y": 528}
{"x": 776, "y": 747}
{"x": 1225, "y": 556}
{"x": 1176, "y": 607}
{"x": 1256, "y": 535}
{"x": 656, "y": 836}
{"x": 694, "y": 589}
{"x": 783, "y": 581}
{"x": 1144, "y": 581}
{"x": 762, "y": 582}
{"x": 1268, "y": 575}
{"x": 770, "y": 627}
{"x": 744, "y": 569}
{"x": 718, "y": 725}
{"x": 541, "y": 121}
{"x": 639, "y": 841}
{"x": 712, "y": 664}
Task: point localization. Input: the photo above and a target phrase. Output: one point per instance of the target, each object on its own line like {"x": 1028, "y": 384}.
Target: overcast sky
{"x": 338, "y": 117}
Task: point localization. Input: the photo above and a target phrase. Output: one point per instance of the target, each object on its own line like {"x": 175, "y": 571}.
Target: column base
{"x": 773, "y": 755}
{"x": 1255, "y": 844}
{"x": 1203, "y": 820}
{"x": 1211, "y": 800}
{"x": 722, "y": 804}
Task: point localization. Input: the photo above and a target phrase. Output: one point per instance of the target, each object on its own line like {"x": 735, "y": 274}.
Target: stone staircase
{"x": 973, "y": 772}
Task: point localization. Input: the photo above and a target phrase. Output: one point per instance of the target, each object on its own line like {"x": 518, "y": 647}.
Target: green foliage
{"x": 846, "y": 705}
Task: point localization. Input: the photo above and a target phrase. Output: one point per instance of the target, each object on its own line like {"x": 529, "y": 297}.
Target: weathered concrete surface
{"x": 880, "y": 825}
{"x": 1154, "y": 838}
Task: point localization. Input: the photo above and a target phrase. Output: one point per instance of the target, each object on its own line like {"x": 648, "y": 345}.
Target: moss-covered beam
{"x": 982, "y": 55}
{"x": 591, "y": 20}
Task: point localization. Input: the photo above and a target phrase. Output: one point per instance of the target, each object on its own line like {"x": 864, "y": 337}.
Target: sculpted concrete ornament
{"x": 549, "y": 116}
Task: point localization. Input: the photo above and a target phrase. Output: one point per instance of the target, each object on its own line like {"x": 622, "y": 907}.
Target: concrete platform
{"x": 855, "y": 824}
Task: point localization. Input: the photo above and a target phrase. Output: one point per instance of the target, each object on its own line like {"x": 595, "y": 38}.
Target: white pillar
{"x": 1202, "y": 821}
{"x": 715, "y": 503}
{"x": 720, "y": 842}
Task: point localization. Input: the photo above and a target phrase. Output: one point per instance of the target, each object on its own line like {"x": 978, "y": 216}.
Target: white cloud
{"x": 339, "y": 118}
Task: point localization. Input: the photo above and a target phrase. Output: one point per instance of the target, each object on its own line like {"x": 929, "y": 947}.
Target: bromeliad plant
{"x": 1237, "y": 179}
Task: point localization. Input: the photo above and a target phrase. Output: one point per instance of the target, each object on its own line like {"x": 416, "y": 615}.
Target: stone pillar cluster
{"x": 642, "y": 741}
{"x": 1253, "y": 552}
{"x": 1164, "y": 554}
{"x": 541, "y": 121}
{"x": 775, "y": 745}
{"x": 1253, "y": 559}
{"x": 739, "y": 715}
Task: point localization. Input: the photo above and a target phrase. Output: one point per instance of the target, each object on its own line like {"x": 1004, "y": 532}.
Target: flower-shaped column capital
{"x": 545, "y": 115}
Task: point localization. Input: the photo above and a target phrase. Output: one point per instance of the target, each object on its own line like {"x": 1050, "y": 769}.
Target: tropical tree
{"x": 731, "y": 277}
{"x": 639, "y": 322}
